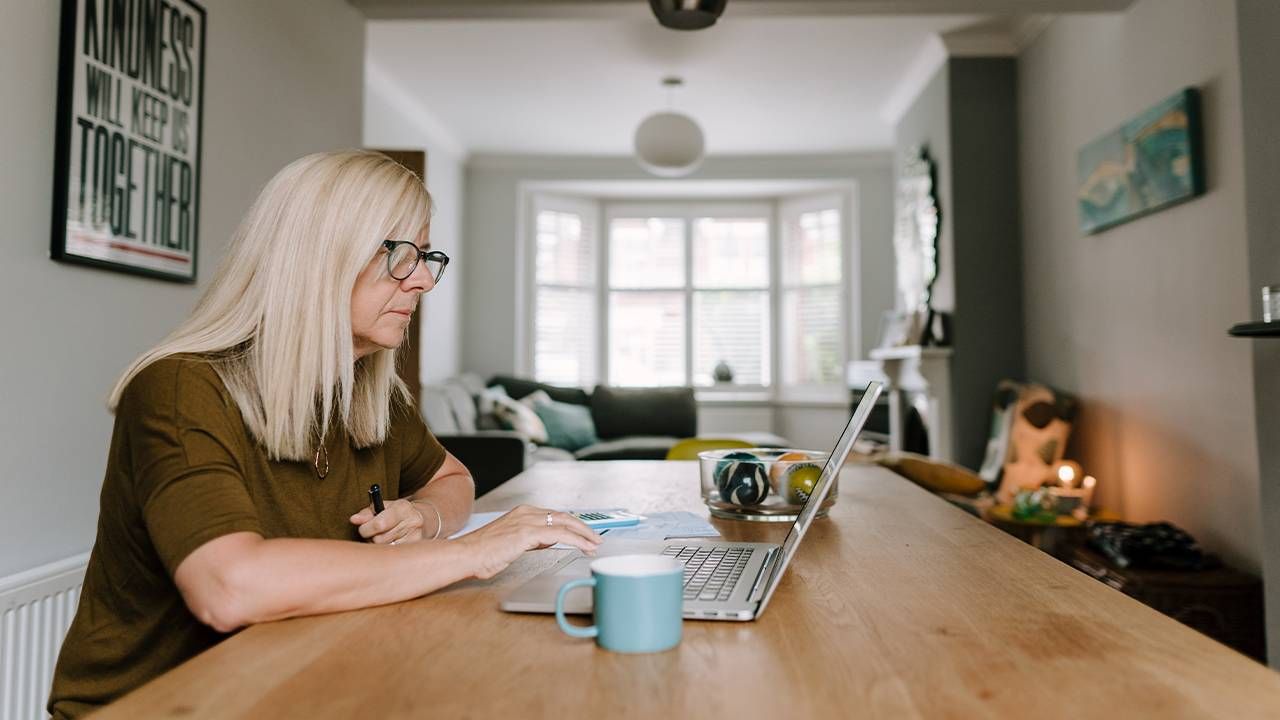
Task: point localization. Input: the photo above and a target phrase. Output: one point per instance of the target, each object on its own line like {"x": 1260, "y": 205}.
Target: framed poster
{"x": 126, "y": 180}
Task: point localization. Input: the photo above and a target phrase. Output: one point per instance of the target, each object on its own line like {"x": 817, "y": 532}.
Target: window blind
{"x": 646, "y": 338}
{"x": 811, "y": 321}
{"x": 564, "y": 303}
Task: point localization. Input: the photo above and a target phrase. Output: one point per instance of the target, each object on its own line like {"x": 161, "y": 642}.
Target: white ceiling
{"x": 404, "y": 9}
{"x": 757, "y": 83}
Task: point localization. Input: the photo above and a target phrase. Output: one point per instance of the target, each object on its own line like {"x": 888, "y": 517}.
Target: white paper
{"x": 477, "y": 521}
{"x": 664, "y": 526}
{"x": 655, "y": 526}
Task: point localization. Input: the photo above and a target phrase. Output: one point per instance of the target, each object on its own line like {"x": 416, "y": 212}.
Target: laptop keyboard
{"x": 709, "y": 573}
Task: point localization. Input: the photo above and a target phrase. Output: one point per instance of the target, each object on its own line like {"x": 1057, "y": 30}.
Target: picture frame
{"x": 1153, "y": 161}
{"x": 129, "y": 137}
{"x": 917, "y": 225}
{"x": 901, "y": 328}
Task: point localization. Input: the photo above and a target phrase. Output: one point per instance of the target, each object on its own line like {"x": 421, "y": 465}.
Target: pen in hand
{"x": 375, "y": 496}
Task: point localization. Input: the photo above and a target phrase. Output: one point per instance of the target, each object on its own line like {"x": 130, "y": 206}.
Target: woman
{"x": 246, "y": 443}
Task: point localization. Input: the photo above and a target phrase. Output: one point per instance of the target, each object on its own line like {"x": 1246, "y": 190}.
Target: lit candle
{"x": 1064, "y": 486}
{"x": 1066, "y": 475}
{"x": 1088, "y": 484}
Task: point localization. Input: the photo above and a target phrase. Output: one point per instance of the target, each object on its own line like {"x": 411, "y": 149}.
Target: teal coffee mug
{"x": 638, "y": 603}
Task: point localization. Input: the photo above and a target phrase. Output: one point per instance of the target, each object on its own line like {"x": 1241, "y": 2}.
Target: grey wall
{"x": 966, "y": 118}
{"x": 283, "y": 79}
{"x": 390, "y": 123}
{"x": 490, "y": 222}
{"x": 987, "y": 260}
{"x": 1134, "y": 319}
{"x": 1258, "y": 27}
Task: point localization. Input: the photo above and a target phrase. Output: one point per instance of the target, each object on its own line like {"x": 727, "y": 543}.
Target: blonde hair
{"x": 276, "y": 320}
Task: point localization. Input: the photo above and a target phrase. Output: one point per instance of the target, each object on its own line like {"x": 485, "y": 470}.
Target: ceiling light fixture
{"x": 669, "y": 144}
{"x": 687, "y": 14}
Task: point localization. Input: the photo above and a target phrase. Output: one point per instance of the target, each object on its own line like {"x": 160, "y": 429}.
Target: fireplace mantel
{"x": 922, "y": 376}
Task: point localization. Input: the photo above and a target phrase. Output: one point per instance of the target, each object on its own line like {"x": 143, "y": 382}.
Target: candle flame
{"x": 1066, "y": 474}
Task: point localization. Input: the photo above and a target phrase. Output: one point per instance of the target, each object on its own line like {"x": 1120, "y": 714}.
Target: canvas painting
{"x": 1149, "y": 163}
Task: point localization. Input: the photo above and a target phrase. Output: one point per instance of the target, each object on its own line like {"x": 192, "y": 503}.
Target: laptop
{"x": 722, "y": 580}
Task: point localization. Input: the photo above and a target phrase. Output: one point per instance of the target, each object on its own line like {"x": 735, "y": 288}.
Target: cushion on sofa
{"x": 437, "y": 411}
{"x": 628, "y": 448}
{"x": 569, "y": 426}
{"x": 623, "y": 412}
{"x": 520, "y": 418}
{"x": 485, "y": 400}
{"x": 932, "y": 474}
{"x": 463, "y": 405}
{"x": 519, "y": 387}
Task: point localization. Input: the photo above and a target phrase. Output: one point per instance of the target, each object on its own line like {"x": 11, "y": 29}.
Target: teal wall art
{"x": 1151, "y": 162}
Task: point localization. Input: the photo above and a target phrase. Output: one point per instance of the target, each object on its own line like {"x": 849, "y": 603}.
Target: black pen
{"x": 375, "y": 495}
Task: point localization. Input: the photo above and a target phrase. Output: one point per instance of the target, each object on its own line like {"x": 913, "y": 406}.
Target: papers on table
{"x": 654, "y": 526}
{"x": 664, "y": 526}
{"x": 477, "y": 521}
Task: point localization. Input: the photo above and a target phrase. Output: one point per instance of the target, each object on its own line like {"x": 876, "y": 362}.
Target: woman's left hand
{"x": 400, "y": 522}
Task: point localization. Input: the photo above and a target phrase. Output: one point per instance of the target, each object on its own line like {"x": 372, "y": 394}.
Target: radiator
{"x": 36, "y": 608}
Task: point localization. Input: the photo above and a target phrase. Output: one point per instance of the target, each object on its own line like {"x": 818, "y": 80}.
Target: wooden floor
{"x": 898, "y": 606}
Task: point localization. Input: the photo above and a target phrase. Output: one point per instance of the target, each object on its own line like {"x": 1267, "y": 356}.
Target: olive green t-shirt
{"x": 183, "y": 470}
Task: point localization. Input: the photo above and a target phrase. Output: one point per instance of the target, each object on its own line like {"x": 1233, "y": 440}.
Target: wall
{"x": 1134, "y": 319}
{"x": 394, "y": 120}
{"x": 965, "y": 117}
{"x": 283, "y": 79}
{"x": 1258, "y": 26}
{"x": 987, "y": 325}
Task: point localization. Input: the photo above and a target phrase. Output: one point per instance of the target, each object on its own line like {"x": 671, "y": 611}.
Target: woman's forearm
{"x": 452, "y": 495}
{"x": 240, "y": 579}
{"x": 287, "y": 577}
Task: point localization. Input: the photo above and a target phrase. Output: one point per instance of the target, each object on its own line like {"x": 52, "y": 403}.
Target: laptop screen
{"x": 829, "y": 472}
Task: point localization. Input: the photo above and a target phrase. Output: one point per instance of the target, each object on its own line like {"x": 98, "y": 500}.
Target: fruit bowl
{"x": 762, "y": 484}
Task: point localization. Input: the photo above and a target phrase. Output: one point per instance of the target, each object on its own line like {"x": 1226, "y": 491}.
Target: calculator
{"x": 598, "y": 520}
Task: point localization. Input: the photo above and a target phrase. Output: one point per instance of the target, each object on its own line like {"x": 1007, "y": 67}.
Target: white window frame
{"x": 688, "y": 211}
{"x": 791, "y": 207}
{"x": 602, "y": 211}
{"x": 589, "y": 210}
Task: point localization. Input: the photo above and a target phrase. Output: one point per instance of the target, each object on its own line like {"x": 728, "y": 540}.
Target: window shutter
{"x": 731, "y": 315}
{"x": 811, "y": 320}
{"x": 565, "y": 290}
{"x": 646, "y": 338}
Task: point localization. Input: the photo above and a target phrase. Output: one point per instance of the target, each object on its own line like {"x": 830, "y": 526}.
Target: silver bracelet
{"x": 439, "y": 517}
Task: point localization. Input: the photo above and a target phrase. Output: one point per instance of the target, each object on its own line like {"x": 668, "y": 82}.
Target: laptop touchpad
{"x": 578, "y": 568}
{"x": 578, "y": 601}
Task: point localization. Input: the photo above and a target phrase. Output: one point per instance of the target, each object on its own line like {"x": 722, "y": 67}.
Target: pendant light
{"x": 687, "y": 14}
{"x": 668, "y": 143}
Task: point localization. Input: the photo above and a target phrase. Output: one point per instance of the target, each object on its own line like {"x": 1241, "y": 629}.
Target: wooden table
{"x": 899, "y": 606}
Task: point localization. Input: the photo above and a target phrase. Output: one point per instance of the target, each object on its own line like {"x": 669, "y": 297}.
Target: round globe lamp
{"x": 669, "y": 144}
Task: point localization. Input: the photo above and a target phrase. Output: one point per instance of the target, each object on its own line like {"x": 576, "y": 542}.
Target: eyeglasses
{"x": 403, "y": 257}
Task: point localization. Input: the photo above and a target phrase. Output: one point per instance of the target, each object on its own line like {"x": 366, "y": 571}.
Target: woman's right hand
{"x": 498, "y": 544}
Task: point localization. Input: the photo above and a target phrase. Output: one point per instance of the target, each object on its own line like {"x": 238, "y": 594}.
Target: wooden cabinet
{"x": 1224, "y": 604}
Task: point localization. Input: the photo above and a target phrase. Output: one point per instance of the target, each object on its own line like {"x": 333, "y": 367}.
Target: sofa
{"x": 629, "y": 424}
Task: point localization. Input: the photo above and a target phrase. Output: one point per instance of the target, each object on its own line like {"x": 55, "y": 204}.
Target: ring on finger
{"x": 550, "y": 521}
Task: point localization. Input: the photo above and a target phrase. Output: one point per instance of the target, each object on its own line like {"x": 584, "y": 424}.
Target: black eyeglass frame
{"x": 391, "y": 245}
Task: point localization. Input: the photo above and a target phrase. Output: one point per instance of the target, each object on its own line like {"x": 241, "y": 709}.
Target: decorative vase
{"x": 722, "y": 372}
